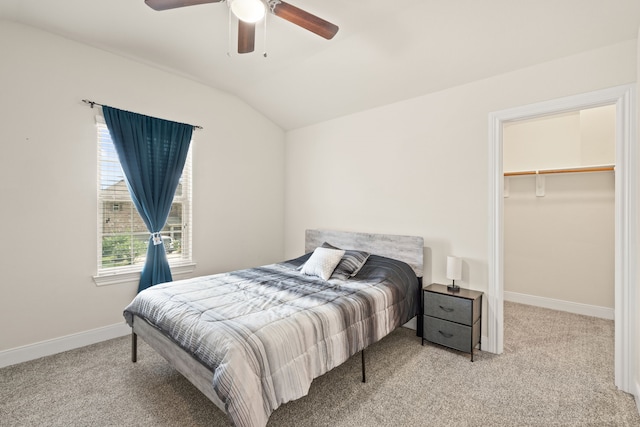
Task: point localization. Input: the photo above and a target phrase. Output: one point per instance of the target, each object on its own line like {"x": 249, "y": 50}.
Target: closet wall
{"x": 559, "y": 240}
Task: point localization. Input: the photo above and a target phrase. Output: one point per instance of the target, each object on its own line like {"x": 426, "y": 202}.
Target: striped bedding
{"x": 267, "y": 332}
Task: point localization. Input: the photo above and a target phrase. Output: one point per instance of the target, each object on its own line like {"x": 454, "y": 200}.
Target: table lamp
{"x": 454, "y": 272}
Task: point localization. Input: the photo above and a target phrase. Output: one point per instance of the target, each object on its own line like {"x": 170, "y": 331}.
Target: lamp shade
{"x": 454, "y": 268}
{"x": 248, "y": 10}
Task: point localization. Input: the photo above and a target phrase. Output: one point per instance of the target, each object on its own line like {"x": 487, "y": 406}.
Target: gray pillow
{"x": 350, "y": 264}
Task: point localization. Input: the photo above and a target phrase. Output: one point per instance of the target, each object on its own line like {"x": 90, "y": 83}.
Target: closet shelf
{"x": 599, "y": 168}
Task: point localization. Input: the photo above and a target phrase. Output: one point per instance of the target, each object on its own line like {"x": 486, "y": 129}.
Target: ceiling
{"x": 385, "y": 51}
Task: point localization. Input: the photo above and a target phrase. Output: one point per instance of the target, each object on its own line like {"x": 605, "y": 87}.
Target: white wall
{"x": 561, "y": 246}
{"x": 579, "y": 138}
{"x": 421, "y": 166}
{"x": 597, "y": 135}
{"x": 48, "y": 180}
{"x": 528, "y": 143}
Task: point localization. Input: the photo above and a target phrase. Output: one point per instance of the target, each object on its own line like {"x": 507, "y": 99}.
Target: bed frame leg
{"x": 364, "y": 376}
{"x": 134, "y": 347}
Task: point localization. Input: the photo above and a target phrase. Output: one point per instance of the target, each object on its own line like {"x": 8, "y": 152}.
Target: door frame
{"x": 626, "y": 203}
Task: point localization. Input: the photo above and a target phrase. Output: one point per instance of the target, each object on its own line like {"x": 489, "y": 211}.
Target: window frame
{"x": 131, "y": 273}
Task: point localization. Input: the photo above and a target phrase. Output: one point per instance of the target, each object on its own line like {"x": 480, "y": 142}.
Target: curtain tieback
{"x": 157, "y": 238}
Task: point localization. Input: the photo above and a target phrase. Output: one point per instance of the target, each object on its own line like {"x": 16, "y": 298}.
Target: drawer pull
{"x": 448, "y": 310}
{"x": 445, "y": 334}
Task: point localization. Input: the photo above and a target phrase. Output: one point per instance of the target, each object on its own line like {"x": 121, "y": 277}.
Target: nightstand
{"x": 452, "y": 319}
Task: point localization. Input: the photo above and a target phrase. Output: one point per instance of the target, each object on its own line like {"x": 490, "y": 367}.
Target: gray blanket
{"x": 267, "y": 332}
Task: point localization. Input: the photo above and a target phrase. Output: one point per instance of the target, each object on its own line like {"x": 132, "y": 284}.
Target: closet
{"x": 559, "y": 211}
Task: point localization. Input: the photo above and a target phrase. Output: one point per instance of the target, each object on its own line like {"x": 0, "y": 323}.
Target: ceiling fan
{"x": 249, "y": 12}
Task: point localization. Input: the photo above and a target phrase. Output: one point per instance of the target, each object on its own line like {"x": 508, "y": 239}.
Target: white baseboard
{"x": 556, "y": 304}
{"x": 58, "y": 345}
{"x": 70, "y": 342}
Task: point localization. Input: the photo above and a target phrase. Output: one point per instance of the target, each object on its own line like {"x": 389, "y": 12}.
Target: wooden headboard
{"x": 409, "y": 249}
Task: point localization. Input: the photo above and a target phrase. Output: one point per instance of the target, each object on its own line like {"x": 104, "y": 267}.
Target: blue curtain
{"x": 152, "y": 153}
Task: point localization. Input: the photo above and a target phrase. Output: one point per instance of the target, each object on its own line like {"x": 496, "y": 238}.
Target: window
{"x": 122, "y": 235}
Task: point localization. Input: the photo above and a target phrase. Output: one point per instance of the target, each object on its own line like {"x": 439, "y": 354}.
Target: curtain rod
{"x": 602, "y": 168}
{"x": 93, "y": 103}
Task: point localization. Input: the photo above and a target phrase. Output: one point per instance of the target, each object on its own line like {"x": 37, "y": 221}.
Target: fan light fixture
{"x": 248, "y": 10}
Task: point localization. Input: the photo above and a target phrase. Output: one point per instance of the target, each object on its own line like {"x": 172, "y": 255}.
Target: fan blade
{"x": 305, "y": 20}
{"x": 172, "y": 4}
{"x": 246, "y": 36}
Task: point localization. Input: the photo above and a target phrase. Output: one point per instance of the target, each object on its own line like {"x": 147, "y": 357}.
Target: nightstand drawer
{"x": 448, "y": 334}
{"x": 448, "y": 308}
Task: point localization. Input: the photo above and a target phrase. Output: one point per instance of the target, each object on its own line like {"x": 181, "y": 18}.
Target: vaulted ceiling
{"x": 384, "y": 52}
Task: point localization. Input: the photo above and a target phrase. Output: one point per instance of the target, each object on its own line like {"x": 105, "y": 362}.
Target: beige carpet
{"x": 557, "y": 370}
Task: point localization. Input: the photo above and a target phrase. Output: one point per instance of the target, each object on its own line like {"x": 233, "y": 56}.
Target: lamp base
{"x": 453, "y": 288}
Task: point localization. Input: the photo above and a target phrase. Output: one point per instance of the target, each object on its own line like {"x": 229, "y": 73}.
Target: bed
{"x": 253, "y": 339}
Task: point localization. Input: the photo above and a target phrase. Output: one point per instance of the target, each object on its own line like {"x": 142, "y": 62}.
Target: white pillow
{"x": 322, "y": 262}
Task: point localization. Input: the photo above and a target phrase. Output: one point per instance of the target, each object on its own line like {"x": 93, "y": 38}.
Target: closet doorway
{"x": 559, "y": 211}
{"x": 626, "y": 171}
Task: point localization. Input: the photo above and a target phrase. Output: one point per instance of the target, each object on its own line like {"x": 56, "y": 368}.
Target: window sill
{"x": 133, "y": 275}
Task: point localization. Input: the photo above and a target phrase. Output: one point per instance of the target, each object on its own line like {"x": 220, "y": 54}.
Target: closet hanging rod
{"x": 602, "y": 168}
{"x": 94, "y": 103}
